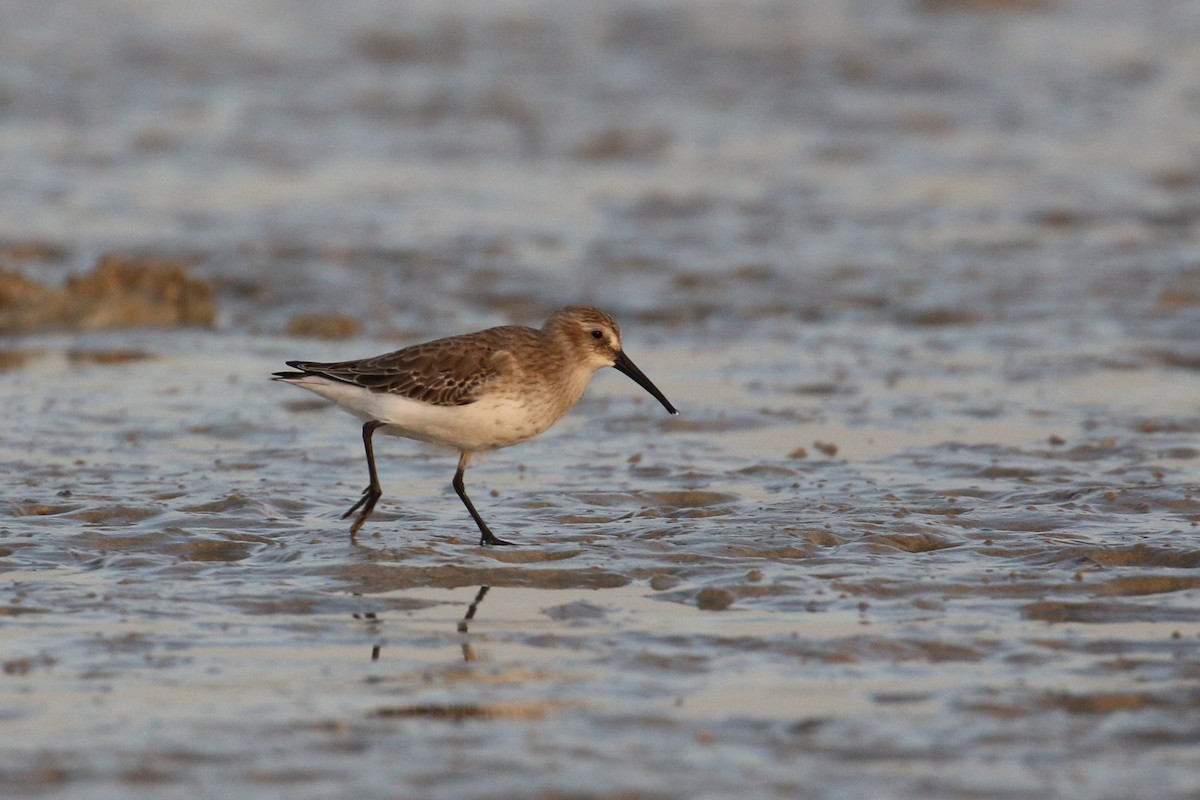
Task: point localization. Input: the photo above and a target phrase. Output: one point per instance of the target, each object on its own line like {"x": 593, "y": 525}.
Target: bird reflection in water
{"x": 467, "y": 650}
{"x": 463, "y": 626}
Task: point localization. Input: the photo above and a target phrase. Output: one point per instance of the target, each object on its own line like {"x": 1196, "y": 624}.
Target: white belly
{"x": 489, "y": 423}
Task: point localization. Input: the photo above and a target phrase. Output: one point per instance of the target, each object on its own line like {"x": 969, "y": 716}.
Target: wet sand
{"x": 922, "y": 280}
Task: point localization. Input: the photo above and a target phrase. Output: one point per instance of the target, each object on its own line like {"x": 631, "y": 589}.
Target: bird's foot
{"x": 370, "y": 497}
{"x": 488, "y": 538}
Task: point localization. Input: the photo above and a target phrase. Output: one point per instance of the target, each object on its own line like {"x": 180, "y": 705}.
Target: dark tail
{"x": 289, "y": 376}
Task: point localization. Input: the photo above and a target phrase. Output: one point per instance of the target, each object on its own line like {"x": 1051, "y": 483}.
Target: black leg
{"x": 486, "y": 537}
{"x": 372, "y": 493}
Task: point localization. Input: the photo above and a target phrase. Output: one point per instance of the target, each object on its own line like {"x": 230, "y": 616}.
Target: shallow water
{"x": 922, "y": 280}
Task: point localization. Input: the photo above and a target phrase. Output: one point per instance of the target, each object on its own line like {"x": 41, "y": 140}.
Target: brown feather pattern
{"x": 453, "y": 371}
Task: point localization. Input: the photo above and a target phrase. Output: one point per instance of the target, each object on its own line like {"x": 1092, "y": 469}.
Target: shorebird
{"x": 475, "y": 392}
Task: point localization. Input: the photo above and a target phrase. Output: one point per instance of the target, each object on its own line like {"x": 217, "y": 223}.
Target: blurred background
{"x": 435, "y": 165}
{"x": 923, "y": 277}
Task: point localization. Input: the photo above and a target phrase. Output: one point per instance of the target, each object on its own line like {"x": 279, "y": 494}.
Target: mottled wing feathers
{"x": 444, "y": 372}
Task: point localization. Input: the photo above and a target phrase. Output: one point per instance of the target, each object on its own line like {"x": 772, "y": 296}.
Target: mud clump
{"x": 713, "y": 599}
{"x": 324, "y": 326}
{"x": 31, "y": 250}
{"x": 624, "y": 145}
{"x": 121, "y": 292}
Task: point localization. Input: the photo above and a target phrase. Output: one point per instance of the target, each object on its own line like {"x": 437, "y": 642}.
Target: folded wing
{"x": 441, "y": 372}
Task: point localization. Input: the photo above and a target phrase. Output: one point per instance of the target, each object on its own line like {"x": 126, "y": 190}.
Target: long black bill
{"x": 629, "y": 368}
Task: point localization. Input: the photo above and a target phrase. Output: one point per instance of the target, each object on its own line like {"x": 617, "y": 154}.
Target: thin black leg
{"x": 372, "y": 493}
{"x": 487, "y": 537}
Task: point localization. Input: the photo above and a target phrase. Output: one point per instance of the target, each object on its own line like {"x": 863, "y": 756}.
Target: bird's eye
{"x": 597, "y": 334}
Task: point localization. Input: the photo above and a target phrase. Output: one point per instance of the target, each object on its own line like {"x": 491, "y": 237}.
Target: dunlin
{"x": 475, "y": 392}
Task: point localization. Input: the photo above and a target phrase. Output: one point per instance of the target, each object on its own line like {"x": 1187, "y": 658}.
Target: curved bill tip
{"x": 623, "y": 364}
